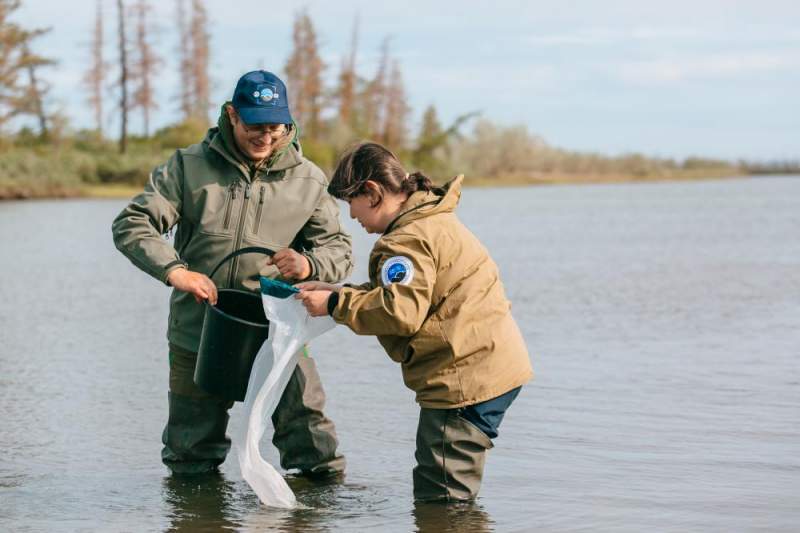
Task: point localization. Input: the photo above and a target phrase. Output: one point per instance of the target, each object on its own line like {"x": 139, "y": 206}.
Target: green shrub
{"x": 190, "y": 131}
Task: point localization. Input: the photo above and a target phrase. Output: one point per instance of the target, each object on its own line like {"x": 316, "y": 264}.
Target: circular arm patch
{"x": 397, "y": 269}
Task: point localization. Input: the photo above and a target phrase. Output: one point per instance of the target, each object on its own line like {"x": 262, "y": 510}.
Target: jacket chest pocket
{"x": 277, "y": 218}
{"x": 262, "y": 192}
{"x": 215, "y": 208}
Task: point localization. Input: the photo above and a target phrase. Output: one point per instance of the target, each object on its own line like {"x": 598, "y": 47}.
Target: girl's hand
{"x": 317, "y": 286}
{"x": 315, "y": 301}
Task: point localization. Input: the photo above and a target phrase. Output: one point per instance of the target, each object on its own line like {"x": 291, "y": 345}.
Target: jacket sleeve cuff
{"x": 173, "y": 266}
{"x": 333, "y": 301}
{"x": 314, "y": 269}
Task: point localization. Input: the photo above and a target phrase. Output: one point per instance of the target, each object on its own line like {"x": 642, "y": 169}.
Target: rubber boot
{"x": 304, "y": 436}
{"x": 451, "y": 453}
{"x": 194, "y": 438}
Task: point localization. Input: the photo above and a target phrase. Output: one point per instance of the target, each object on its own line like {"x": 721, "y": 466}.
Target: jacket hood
{"x": 423, "y": 204}
{"x": 221, "y": 139}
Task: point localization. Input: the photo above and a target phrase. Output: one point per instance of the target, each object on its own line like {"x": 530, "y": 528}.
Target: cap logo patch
{"x": 266, "y": 95}
{"x": 397, "y": 269}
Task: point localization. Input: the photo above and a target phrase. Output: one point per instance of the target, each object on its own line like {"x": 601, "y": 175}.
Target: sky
{"x": 669, "y": 79}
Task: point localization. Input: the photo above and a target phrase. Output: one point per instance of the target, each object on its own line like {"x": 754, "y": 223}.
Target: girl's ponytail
{"x": 416, "y": 181}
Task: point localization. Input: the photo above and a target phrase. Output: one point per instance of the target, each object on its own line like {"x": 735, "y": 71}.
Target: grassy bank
{"x": 55, "y": 189}
{"x": 38, "y": 178}
{"x": 86, "y": 164}
{"x": 35, "y": 173}
{"x": 563, "y": 178}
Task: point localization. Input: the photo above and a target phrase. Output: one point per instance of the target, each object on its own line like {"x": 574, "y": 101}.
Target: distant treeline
{"x": 54, "y": 159}
{"x": 771, "y": 167}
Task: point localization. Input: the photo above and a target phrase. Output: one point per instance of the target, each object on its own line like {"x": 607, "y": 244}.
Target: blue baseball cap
{"x": 260, "y": 98}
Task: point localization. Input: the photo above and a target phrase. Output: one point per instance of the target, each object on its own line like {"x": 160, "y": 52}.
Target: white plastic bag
{"x": 290, "y": 327}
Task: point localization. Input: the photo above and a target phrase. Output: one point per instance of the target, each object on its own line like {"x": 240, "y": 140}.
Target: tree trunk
{"x": 123, "y": 80}
{"x": 200, "y": 60}
{"x": 96, "y": 74}
{"x": 185, "y": 54}
{"x": 38, "y": 107}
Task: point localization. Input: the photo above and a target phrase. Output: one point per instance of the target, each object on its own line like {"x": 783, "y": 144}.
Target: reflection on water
{"x": 199, "y": 503}
{"x": 663, "y": 321}
{"x": 451, "y": 518}
{"x": 214, "y": 503}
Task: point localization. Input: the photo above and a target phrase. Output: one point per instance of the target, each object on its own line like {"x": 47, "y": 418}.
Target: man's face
{"x": 255, "y": 141}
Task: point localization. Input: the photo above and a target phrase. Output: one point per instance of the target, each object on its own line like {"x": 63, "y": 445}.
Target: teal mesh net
{"x": 278, "y": 289}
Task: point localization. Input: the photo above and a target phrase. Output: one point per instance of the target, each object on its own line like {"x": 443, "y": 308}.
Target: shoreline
{"x": 66, "y": 193}
{"x": 61, "y": 192}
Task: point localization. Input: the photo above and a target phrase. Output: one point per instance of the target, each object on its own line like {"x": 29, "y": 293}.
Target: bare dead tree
{"x": 199, "y": 38}
{"x": 304, "y": 72}
{"x": 185, "y": 58}
{"x": 145, "y": 67}
{"x": 313, "y": 80}
{"x": 16, "y": 96}
{"x": 11, "y": 39}
{"x": 95, "y": 76}
{"x": 396, "y": 111}
{"x": 35, "y": 89}
{"x": 347, "y": 81}
{"x": 374, "y": 96}
{"x": 123, "y": 79}
{"x": 294, "y": 69}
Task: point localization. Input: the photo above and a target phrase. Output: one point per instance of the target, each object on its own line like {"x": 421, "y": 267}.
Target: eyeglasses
{"x": 276, "y": 131}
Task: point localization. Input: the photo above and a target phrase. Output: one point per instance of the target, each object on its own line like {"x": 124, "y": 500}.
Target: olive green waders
{"x": 451, "y": 452}
{"x": 195, "y": 441}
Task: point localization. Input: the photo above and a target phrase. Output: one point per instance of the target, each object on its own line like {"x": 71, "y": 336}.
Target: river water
{"x": 664, "y": 326}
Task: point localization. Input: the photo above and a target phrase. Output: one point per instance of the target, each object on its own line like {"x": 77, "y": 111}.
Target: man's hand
{"x": 317, "y": 286}
{"x": 194, "y": 283}
{"x": 291, "y": 264}
{"x": 315, "y": 302}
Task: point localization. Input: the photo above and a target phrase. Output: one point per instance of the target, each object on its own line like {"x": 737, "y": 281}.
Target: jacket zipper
{"x": 260, "y": 209}
{"x": 231, "y": 198}
{"x": 238, "y": 243}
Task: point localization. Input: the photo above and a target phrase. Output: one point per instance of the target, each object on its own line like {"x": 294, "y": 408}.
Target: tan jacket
{"x": 436, "y": 304}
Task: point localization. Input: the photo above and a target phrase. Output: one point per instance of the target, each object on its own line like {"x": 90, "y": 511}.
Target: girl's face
{"x": 375, "y": 208}
{"x": 361, "y": 209}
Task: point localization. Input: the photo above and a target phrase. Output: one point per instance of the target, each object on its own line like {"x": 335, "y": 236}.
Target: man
{"x": 246, "y": 184}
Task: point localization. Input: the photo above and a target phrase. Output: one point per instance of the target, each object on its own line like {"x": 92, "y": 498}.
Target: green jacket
{"x": 220, "y": 204}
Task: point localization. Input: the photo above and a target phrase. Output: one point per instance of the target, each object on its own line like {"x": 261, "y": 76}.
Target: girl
{"x": 436, "y": 304}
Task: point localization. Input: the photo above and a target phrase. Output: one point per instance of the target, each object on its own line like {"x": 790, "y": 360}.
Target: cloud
{"x": 717, "y": 66}
{"x": 608, "y": 36}
{"x": 663, "y": 35}
{"x": 529, "y": 77}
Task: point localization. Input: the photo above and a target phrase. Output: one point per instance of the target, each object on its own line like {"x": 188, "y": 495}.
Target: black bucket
{"x": 233, "y": 332}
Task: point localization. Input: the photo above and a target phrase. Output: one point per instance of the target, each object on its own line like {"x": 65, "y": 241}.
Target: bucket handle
{"x": 246, "y": 250}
